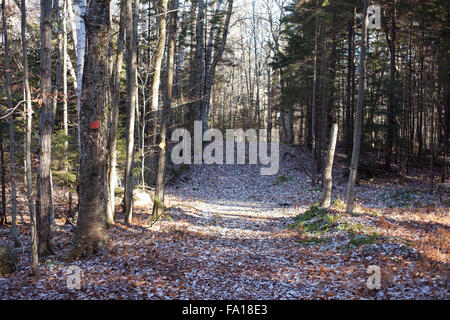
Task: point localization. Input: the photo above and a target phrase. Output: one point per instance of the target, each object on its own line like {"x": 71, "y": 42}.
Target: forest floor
{"x": 230, "y": 233}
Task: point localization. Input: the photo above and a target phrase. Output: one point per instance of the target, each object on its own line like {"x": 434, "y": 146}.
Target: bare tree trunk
{"x": 210, "y": 72}
{"x": 80, "y": 9}
{"x": 269, "y": 105}
{"x": 3, "y": 219}
{"x": 156, "y": 80}
{"x": 158, "y": 204}
{"x": 159, "y": 55}
{"x": 45, "y": 133}
{"x": 73, "y": 26}
{"x": 131, "y": 39}
{"x": 12, "y": 158}
{"x": 327, "y": 175}
{"x": 64, "y": 76}
{"x": 112, "y": 137}
{"x": 199, "y": 67}
{"x": 314, "y": 90}
{"x": 392, "y": 109}
{"x": 28, "y": 163}
{"x": 208, "y": 57}
{"x": 90, "y": 236}
{"x": 349, "y": 102}
{"x": 57, "y": 11}
{"x": 359, "y": 114}
{"x": 189, "y": 119}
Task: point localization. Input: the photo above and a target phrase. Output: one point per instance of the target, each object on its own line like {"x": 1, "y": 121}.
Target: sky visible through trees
{"x": 318, "y": 164}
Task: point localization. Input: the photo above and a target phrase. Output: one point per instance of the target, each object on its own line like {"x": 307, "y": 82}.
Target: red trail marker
{"x": 95, "y": 124}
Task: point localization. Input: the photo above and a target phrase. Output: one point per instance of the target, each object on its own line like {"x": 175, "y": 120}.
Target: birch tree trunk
{"x": 90, "y": 236}
{"x": 327, "y": 175}
{"x": 359, "y": 113}
{"x": 79, "y": 7}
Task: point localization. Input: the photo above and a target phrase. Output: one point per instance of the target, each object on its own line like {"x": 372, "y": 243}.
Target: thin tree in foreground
{"x": 90, "y": 236}
{"x": 114, "y": 117}
{"x": 11, "y": 127}
{"x": 45, "y": 204}
{"x": 132, "y": 14}
{"x": 156, "y": 84}
{"x": 28, "y": 164}
{"x": 359, "y": 113}
{"x": 327, "y": 176}
{"x": 158, "y": 205}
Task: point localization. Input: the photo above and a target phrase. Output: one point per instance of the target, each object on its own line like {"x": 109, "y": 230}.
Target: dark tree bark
{"x": 12, "y": 157}
{"x": 314, "y": 91}
{"x": 3, "y": 219}
{"x": 45, "y": 207}
{"x": 90, "y": 236}
{"x": 392, "y": 110}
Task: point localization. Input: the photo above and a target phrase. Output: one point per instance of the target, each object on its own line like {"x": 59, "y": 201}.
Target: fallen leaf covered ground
{"x": 226, "y": 235}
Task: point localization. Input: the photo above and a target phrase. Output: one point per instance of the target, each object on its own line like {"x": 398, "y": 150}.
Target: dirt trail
{"x": 225, "y": 236}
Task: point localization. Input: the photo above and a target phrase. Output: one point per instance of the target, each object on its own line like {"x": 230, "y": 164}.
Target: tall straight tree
{"x": 159, "y": 53}
{"x": 45, "y": 206}
{"x": 12, "y": 174}
{"x": 114, "y": 117}
{"x": 392, "y": 110}
{"x": 213, "y": 60}
{"x": 79, "y": 8}
{"x": 131, "y": 40}
{"x": 64, "y": 76}
{"x": 158, "y": 205}
{"x": 199, "y": 63}
{"x": 28, "y": 128}
{"x": 359, "y": 114}
{"x": 314, "y": 89}
{"x": 90, "y": 236}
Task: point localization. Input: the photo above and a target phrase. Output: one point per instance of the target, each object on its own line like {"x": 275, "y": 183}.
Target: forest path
{"x": 232, "y": 222}
{"x": 226, "y": 236}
